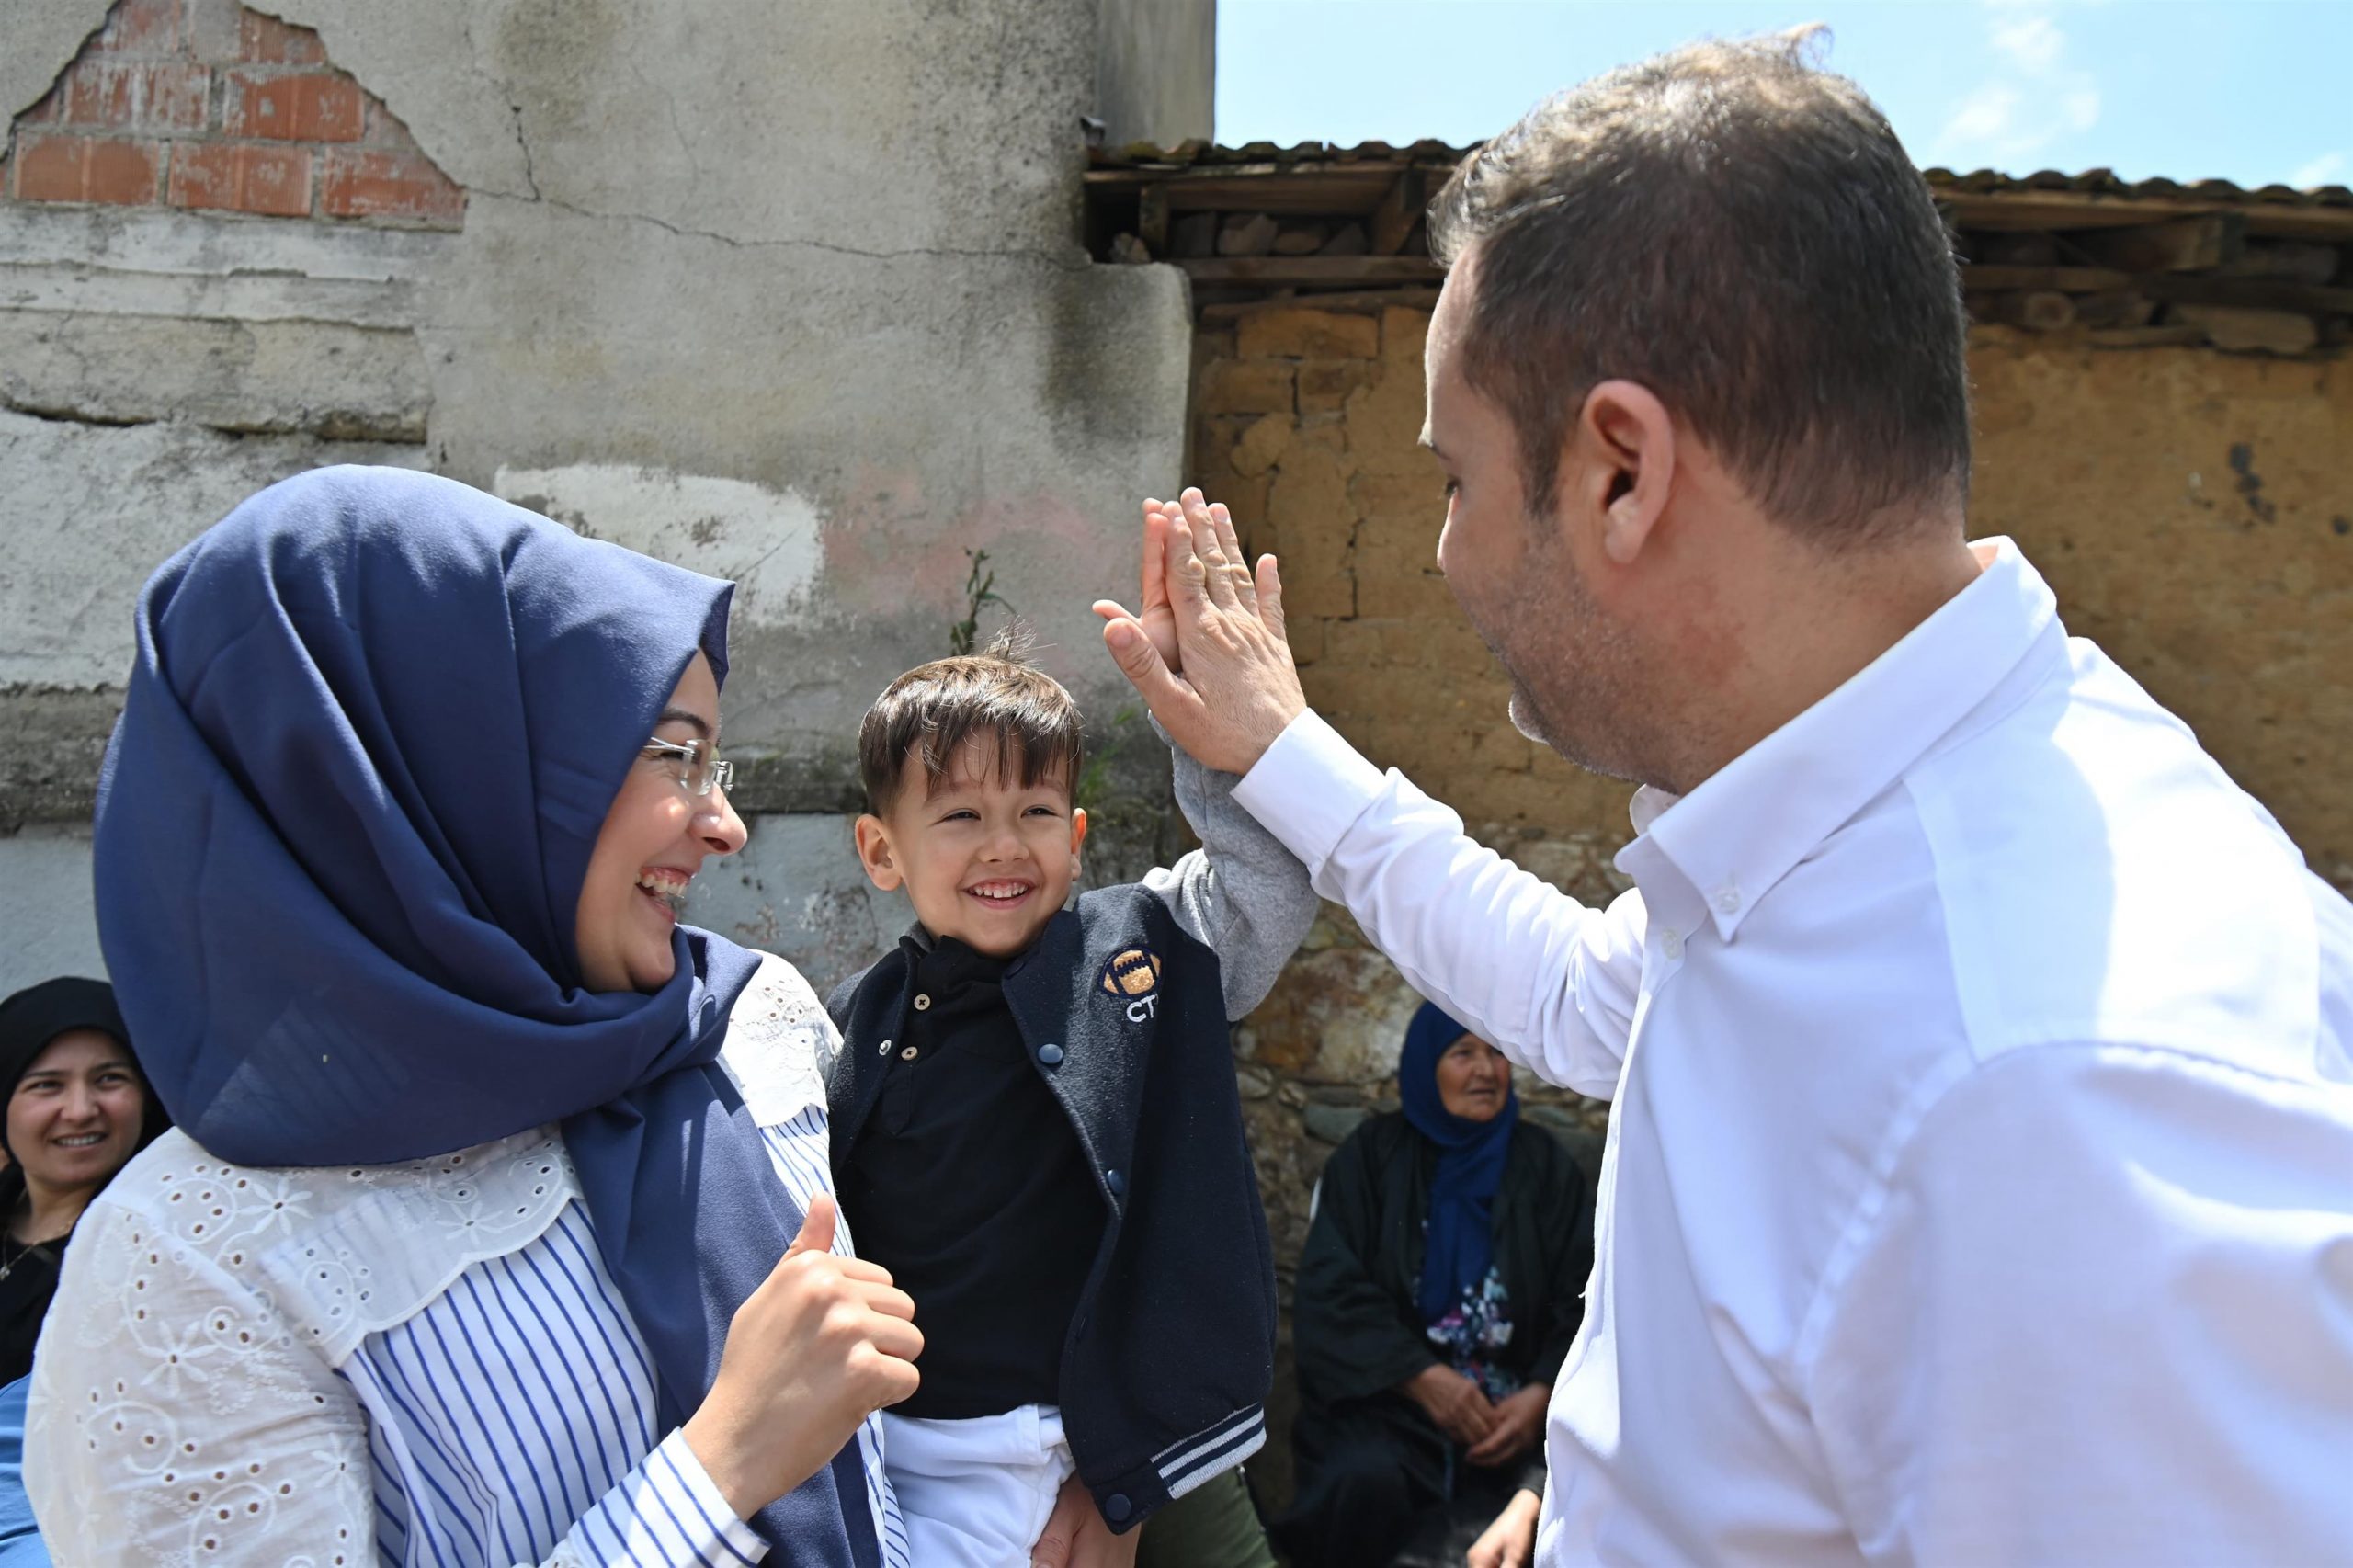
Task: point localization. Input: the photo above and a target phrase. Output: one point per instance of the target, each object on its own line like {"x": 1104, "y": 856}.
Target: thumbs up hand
{"x": 822, "y": 1344}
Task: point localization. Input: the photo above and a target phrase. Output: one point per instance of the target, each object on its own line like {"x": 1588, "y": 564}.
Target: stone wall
{"x": 2190, "y": 508}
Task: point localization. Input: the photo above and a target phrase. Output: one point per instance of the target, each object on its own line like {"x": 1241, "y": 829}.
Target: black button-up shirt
{"x": 968, "y": 1183}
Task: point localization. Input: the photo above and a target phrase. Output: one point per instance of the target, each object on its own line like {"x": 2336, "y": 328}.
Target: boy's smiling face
{"x": 985, "y": 858}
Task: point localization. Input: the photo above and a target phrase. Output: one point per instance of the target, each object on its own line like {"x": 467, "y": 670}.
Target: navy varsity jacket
{"x": 1168, "y": 1358}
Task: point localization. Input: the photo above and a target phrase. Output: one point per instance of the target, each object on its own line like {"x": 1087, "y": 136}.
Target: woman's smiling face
{"x": 75, "y": 1114}
{"x": 655, "y": 838}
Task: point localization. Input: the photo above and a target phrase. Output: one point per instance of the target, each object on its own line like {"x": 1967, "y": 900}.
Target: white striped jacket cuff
{"x": 666, "y": 1513}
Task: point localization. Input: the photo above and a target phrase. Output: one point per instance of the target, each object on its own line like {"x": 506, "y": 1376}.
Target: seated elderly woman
{"x": 78, "y": 1107}
{"x": 1437, "y": 1298}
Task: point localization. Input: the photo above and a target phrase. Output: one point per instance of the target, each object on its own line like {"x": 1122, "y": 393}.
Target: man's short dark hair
{"x": 1742, "y": 233}
{"x": 933, "y": 711}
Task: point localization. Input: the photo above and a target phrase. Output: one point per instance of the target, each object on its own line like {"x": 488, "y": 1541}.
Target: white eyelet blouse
{"x": 423, "y": 1365}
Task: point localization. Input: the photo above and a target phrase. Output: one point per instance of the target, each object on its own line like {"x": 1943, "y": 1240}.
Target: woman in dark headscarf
{"x": 1437, "y": 1298}
{"x": 467, "y": 1247}
{"x": 77, "y": 1108}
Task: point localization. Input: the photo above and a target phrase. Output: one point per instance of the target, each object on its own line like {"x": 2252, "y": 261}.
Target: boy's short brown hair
{"x": 934, "y": 710}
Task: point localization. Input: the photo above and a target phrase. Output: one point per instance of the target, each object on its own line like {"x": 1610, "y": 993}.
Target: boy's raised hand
{"x": 1153, "y": 612}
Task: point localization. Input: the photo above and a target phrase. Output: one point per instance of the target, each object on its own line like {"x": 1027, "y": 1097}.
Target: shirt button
{"x": 1116, "y": 1182}
{"x": 1117, "y": 1506}
{"x": 909, "y": 1054}
{"x": 882, "y": 1049}
{"x": 1672, "y": 944}
{"x": 1728, "y": 899}
{"x": 1052, "y": 1055}
{"x": 923, "y": 1002}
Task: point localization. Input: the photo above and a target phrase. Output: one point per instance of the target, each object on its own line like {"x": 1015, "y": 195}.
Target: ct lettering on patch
{"x": 1134, "y": 976}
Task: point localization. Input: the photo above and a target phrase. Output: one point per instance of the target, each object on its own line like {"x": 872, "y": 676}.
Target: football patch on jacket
{"x": 1133, "y": 974}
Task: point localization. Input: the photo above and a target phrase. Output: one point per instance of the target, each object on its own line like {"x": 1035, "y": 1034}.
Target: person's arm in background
{"x": 2078, "y": 1318}
{"x": 1510, "y": 1541}
{"x": 1549, "y": 982}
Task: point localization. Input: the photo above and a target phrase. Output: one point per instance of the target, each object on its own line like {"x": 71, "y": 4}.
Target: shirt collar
{"x": 1737, "y": 835}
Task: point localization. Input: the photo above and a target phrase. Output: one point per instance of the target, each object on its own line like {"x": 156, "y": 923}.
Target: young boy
{"x": 1035, "y": 1124}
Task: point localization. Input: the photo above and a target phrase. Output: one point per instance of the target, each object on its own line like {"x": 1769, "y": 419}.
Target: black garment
{"x": 1357, "y": 1333}
{"x": 1168, "y": 1358}
{"x": 970, "y": 1186}
{"x": 24, "y": 1293}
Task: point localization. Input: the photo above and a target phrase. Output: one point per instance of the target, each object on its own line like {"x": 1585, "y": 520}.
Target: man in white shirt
{"x": 1980, "y": 1183}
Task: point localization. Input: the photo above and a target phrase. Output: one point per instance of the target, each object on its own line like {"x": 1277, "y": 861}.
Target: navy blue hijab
{"x": 374, "y": 727}
{"x": 1459, "y": 1244}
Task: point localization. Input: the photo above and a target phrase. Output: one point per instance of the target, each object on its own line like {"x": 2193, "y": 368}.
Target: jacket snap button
{"x": 1117, "y": 1506}
{"x": 923, "y": 1002}
{"x": 1116, "y": 1182}
{"x": 1052, "y": 1055}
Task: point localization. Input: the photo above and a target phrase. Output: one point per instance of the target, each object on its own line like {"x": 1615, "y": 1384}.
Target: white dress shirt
{"x": 417, "y": 1366}
{"x": 1980, "y": 1176}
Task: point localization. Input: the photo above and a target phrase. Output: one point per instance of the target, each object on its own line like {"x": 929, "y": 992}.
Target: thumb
{"x": 1141, "y": 664}
{"x": 816, "y": 1228}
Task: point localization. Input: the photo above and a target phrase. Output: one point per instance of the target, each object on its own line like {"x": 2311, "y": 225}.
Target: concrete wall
{"x": 2190, "y": 508}
{"x": 1155, "y": 72}
{"x": 788, "y": 292}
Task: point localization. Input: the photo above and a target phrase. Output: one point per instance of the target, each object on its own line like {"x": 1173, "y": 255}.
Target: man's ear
{"x": 1624, "y": 442}
{"x": 875, "y": 854}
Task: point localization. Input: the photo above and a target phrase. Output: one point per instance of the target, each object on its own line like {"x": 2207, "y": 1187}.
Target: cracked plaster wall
{"x": 788, "y": 289}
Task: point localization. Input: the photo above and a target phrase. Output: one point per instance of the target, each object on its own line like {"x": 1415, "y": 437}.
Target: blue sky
{"x": 2257, "y": 91}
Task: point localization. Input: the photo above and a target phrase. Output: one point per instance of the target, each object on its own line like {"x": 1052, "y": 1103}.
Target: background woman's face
{"x": 655, "y": 839}
{"x": 77, "y": 1114}
{"x": 1473, "y": 1079}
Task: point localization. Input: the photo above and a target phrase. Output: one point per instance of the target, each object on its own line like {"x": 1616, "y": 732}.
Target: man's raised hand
{"x": 1238, "y": 690}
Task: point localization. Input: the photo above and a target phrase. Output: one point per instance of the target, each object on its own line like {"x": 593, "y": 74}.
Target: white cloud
{"x": 2035, "y": 99}
{"x": 2032, "y": 41}
{"x": 2329, "y": 168}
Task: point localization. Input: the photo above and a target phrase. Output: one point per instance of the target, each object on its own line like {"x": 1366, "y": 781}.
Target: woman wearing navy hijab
{"x": 1437, "y": 1298}
{"x": 467, "y": 1248}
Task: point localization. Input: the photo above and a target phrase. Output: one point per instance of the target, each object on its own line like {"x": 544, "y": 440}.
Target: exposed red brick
{"x": 243, "y": 176}
{"x": 45, "y": 111}
{"x": 116, "y": 170}
{"x": 265, "y": 40}
{"x": 309, "y": 106}
{"x": 359, "y": 183}
{"x": 136, "y": 95}
{"x": 139, "y": 27}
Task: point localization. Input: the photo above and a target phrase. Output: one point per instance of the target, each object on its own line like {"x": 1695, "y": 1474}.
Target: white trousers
{"x": 976, "y": 1494}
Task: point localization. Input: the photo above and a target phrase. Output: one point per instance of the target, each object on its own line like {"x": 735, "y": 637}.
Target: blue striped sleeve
{"x": 666, "y": 1513}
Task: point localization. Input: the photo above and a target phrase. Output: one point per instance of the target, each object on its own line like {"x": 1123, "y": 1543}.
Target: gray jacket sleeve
{"x": 1242, "y": 893}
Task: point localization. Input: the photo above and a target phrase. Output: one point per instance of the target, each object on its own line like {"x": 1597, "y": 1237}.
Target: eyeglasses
{"x": 698, "y": 765}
